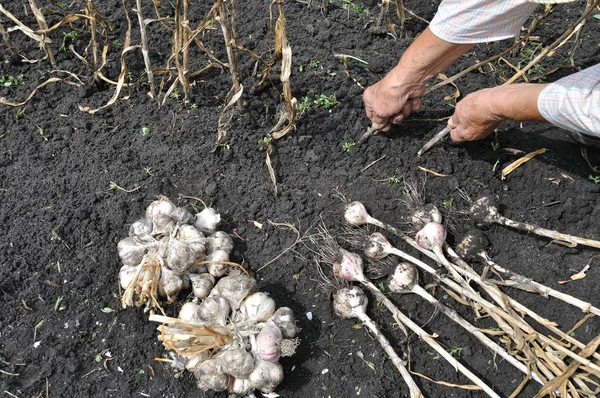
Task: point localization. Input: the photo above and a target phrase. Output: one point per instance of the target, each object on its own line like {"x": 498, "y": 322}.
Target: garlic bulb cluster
{"x": 169, "y": 250}
{"x": 232, "y": 339}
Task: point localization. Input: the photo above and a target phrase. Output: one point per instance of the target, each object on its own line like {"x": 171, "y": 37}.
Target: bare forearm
{"x": 517, "y": 102}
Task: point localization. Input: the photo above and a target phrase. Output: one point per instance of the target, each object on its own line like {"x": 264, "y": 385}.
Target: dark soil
{"x": 61, "y": 223}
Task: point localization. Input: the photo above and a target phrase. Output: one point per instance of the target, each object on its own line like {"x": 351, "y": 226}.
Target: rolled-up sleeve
{"x": 573, "y": 102}
{"x": 479, "y": 21}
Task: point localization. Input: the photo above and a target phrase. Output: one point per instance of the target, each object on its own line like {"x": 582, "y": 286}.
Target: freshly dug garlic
{"x": 126, "y": 275}
{"x": 161, "y": 206}
{"x": 349, "y": 302}
{"x": 217, "y": 269}
{"x": 376, "y": 245}
{"x": 162, "y": 224}
{"x": 214, "y": 310}
{"x": 349, "y": 266}
{"x": 202, "y": 284}
{"x": 266, "y": 376}
{"x": 220, "y": 240}
{"x": 141, "y": 229}
{"x": 258, "y": 307}
{"x": 234, "y": 288}
{"x": 284, "y": 319}
{"x": 188, "y": 234}
{"x": 210, "y": 377}
{"x": 207, "y": 220}
{"x": 190, "y": 313}
{"x": 239, "y": 363}
{"x": 182, "y": 216}
{"x": 170, "y": 284}
{"x": 192, "y": 363}
{"x": 267, "y": 342}
{"x": 403, "y": 280}
{"x": 427, "y": 213}
{"x": 432, "y": 237}
{"x": 180, "y": 256}
{"x": 240, "y": 387}
{"x": 131, "y": 251}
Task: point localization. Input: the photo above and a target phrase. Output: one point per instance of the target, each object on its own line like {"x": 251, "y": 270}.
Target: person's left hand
{"x": 476, "y": 115}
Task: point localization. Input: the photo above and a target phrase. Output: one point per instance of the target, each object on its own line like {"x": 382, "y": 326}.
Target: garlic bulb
{"x": 403, "y": 280}
{"x": 207, "y": 220}
{"x": 266, "y": 376}
{"x": 141, "y": 229}
{"x": 180, "y": 256}
{"x": 188, "y": 234}
{"x": 432, "y": 235}
{"x": 349, "y": 266}
{"x": 210, "y": 377}
{"x": 427, "y": 213}
{"x": 214, "y": 310}
{"x": 193, "y": 362}
{"x": 202, "y": 284}
{"x": 190, "y": 313}
{"x": 217, "y": 269}
{"x": 349, "y": 302}
{"x": 170, "y": 284}
{"x": 239, "y": 363}
{"x": 375, "y": 246}
{"x": 131, "y": 251}
{"x": 161, "y": 206}
{"x": 258, "y": 307}
{"x": 241, "y": 387}
{"x": 356, "y": 214}
{"x": 219, "y": 241}
{"x": 234, "y": 288}
{"x": 267, "y": 342}
{"x": 181, "y": 215}
{"x": 126, "y": 275}
{"x": 284, "y": 319}
{"x": 162, "y": 224}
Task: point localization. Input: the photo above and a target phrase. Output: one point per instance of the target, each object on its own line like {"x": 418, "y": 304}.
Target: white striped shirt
{"x": 572, "y": 103}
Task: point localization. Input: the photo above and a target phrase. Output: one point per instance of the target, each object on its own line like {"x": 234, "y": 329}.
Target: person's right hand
{"x": 392, "y": 100}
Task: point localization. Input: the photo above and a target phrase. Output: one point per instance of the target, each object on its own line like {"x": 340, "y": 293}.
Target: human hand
{"x": 392, "y": 100}
{"x": 476, "y": 116}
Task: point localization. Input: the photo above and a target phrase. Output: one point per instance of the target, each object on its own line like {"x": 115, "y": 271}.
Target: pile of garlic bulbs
{"x": 230, "y": 336}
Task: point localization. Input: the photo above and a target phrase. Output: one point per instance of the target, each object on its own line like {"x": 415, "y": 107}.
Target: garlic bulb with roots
{"x": 161, "y": 206}
{"x": 267, "y": 342}
{"x": 375, "y": 246}
{"x": 215, "y": 310}
{"x": 202, "y": 284}
{"x": 169, "y": 284}
{"x": 141, "y": 230}
{"x": 220, "y": 240}
{"x": 349, "y": 302}
{"x": 131, "y": 251}
{"x": 190, "y": 313}
{"x": 258, "y": 307}
{"x": 207, "y": 220}
{"x": 284, "y": 319}
{"x": 235, "y": 288}
{"x": 356, "y": 214}
{"x": 266, "y": 376}
{"x": 182, "y": 216}
{"x": 432, "y": 237}
{"x": 427, "y": 213}
{"x": 404, "y": 278}
{"x": 241, "y": 387}
{"x": 349, "y": 266}
{"x": 180, "y": 256}
{"x": 126, "y": 275}
{"x": 237, "y": 362}
{"x": 162, "y": 224}
{"x": 210, "y": 376}
{"x": 218, "y": 268}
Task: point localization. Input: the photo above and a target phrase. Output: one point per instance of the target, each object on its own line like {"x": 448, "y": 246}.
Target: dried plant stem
{"x": 90, "y": 11}
{"x": 144, "y": 43}
{"x": 415, "y": 392}
{"x": 522, "y": 282}
{"x": 231, "y": 56}
{"x": 572, "y": 240}
{"x": 434, "y": 344}
{"x": 43, "y": 26}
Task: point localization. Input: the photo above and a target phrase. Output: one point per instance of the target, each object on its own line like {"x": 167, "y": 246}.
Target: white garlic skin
{"x": 207, "y": 220}
{"x": 210, "y": 377}
{"x": 241, "y": 387}
{"x": 194, "y": 361}
{"x": 169, "y": 284}
{"x": 141, "y": 229}
{"x": 350, "y": 266}
{"x": 131, "y": 251}
{"x": 239, "y": 363}
{"x": 235, "y": 288}
{"x": 220, "y": 240}
{"x": 355, "y": 214}
{"x": 190, "y": 313}
{"x": 266, "y": 376}
{"x": 267, "y": 342}
{"x": 126, "y": 275}
{"x": 161, "y": 206}
{"x": 202, "y": 284}
{"x": 180, "y": 256}
{"x": 349, "y": 302}
{"x": 162, "y": 224}
{"x": 217, "y": 269}
{"x": 404, "y": 279}
{"x": 181, "y": 215}
{"x": 258, "y": 307}
{"x": 214, "y": 310}
{"x": 432, "y": 235}
{"x": 376, "y": 246}
{"x": 284, "y": 319}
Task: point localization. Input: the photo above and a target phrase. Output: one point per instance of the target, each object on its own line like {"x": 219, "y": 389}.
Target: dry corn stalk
{"x": 144, "y": 43}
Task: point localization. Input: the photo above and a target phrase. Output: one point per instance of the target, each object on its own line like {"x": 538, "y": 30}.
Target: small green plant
{"x": 113, "y": 186}
{"x": 194, "y": 106}
{"x": 57, "y": 303}
{"x": 348, "y": 146}
{"x": 148, "y": 170}
{"x": 448, "y": 202}
{"x": 326, "y": 101}
{"x": 264, "y": 144}
{"x": 594, "y": 179}
{"x": 225, "y": 145}
{"x": 11, "y": 81}
{"x": 145, "y": 131}
{"x": 358, "y": 9}
{"x": 71, "y": 36}
{"x": 41, "y": 130}
{"x": 496, "y": 165}
{"x": 454, "y": 351}
{"x": 303, "y": 105}
{"x": 394, "y": 180}
{"x": 175, "y": 94}
{"x": 313, "y": 64}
